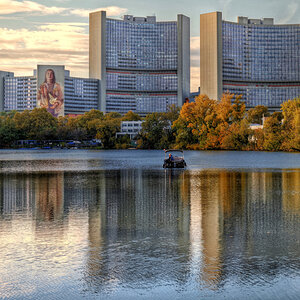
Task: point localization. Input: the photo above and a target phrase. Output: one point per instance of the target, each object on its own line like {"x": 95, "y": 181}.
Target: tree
{"x": 291, "y": 125}
{"x": 88, "y": 123}
{"x": 238, "y": 110}
{"x": 8, "y": 131}
{"x": 194, "y": 123}
{"x": 272, "y": 133}
{"x": 131, "y": 116}
{"x": 22, "y": 123}
{"x": 255, "y": 115}
{"x": 37, "y": 124}
{"x": 237, "y": 137}
{"x": 154, "y": 132}
{"x": 172, "y": 113}
{"x": 211, "y": 124}
{"x": 107, "y": 129}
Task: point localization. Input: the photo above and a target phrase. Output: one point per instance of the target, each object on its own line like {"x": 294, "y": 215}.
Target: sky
{"x": 56, "y": 31}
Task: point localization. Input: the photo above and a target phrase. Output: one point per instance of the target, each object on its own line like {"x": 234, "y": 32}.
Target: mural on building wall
{"x": 50, "y": 94}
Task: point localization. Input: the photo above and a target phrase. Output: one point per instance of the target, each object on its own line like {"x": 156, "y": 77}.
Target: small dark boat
{"x": 174, "y": 159}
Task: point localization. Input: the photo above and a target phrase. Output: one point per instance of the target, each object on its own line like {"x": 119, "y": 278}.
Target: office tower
{"x": 143, "y": 65}
{"x": 254, "y": 58}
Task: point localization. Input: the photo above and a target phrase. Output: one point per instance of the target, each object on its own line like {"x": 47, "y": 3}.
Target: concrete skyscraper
{"x": 253, "y": 58}
{"x": 143, "y": 65}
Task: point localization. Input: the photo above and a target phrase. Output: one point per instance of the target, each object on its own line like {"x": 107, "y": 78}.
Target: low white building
{"x": 130, "y": 128}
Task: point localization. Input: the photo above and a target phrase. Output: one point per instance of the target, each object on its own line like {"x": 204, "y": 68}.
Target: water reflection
{"x": 178, "y": 232}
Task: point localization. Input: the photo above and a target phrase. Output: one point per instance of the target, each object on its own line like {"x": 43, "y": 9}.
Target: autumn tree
{"x": 291, "y": 125}
{"x": 256, "y": 114}
{"x": 131, "y": 116}
{"x": 194, "y": 122}
{"x": 273, "y": 132}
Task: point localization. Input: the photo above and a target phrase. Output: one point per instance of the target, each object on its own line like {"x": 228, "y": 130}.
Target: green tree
{"x": 22, "y": 123}
{"x": 37, "y": 124}
{"x": 88, "y": 123}
{"x": 107, "y": 129}
{"x": 154, "y": 132}
{"x": 172, "y": 113}
{"x": 8, "y": 131}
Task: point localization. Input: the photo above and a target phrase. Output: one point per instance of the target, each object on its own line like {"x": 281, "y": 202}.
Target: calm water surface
{"x": 115, "y": 225}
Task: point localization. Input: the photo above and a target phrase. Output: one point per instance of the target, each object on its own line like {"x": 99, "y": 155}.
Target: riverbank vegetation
{"x": 205, "y": 124}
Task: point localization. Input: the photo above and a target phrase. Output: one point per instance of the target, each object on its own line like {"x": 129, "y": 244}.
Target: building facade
{"x": 20, "y": 93}
{"x": 254, "y": 58}
{"x": 3, "y": 76}
{"x": 143, "y": 65}
{"x": 130, "y": 128}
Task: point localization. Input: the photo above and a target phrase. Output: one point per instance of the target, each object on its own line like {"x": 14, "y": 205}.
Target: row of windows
{"x": 270, "y": 53}
{"x": 141, "y": 104}
{"x": 264, "y": 95}
{"x": 142, "y": 82}
{"x": 151, "y": 46}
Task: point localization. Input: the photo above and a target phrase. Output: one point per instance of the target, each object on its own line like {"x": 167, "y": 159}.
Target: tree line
{"x": 205, "y": 124}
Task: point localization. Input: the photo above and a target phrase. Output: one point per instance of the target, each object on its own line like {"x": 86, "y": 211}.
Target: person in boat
{"x": 171, "y": 158}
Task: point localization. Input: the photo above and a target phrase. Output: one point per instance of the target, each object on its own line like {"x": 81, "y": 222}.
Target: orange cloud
{"x": 54, "y": 43}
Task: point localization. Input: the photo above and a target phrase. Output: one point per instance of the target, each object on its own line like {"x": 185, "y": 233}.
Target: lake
{"x": 78, "y": 224}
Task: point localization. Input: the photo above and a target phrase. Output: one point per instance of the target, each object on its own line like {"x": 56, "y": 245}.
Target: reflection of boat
{"x": 174, "y": 159}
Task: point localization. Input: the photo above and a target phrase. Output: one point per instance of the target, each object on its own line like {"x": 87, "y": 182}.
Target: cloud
{"x": 111, "y": 11}
{"x": 8, "y": 7}
{"x": 292, "y": 9}
{"x": 58, "y": 43}
{"x": 11, "y": 6}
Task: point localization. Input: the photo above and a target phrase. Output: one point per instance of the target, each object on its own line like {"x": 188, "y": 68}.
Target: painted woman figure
{"x": 50, "y": 95}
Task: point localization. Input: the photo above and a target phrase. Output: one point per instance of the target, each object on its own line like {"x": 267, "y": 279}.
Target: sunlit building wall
{"x": 206, "y": 227}
{"x": 254, "y": 58}
{"x": 143, "y": 65}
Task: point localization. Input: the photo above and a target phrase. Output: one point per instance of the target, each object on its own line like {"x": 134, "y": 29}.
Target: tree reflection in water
{"x": 184, "y": 231}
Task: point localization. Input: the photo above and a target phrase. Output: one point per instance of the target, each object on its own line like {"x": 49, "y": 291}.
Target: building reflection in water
{"x": 49, "y": 195}
{"x": 143, "y": 232}
{"x": 142, "y": 228}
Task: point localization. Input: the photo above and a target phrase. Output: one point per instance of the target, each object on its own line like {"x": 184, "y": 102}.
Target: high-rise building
{"x": 143, "y": 65}
{"x": 254, "y": 58}
{"x": 3, "y": 76}
{"x": 20, "y": 92}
